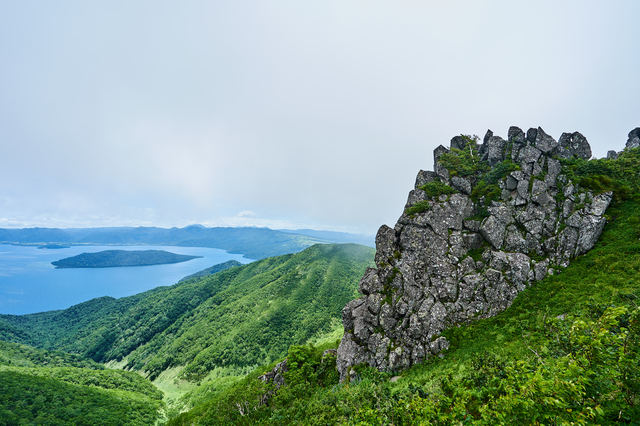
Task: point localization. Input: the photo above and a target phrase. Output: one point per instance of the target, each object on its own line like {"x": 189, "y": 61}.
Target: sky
{"x": 286, "y": 114}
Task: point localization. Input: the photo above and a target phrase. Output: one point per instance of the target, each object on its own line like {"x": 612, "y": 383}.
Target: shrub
{"x": 436, "y": 188}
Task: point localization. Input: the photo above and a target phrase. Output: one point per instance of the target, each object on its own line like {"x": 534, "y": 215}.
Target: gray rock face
{"x": 574, "y": 145}
{"x": 448, "y": 266}
{"x": 634, "y": 138}
{"x": 275, "y": 376}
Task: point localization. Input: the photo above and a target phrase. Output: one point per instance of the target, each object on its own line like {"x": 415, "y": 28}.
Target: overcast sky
{"x": 286, "y": 114}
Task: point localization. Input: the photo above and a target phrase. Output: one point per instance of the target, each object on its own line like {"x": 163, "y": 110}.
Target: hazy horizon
{"x": 284, "y": 115}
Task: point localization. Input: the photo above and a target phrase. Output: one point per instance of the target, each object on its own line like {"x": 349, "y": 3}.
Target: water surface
{"x": 30, "y": 283}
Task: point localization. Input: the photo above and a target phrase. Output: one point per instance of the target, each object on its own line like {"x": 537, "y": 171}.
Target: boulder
{"x": 574, "y": 145}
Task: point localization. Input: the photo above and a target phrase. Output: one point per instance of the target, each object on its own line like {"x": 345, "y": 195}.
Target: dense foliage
{"x": 435, "y": 188}
{"x": 464, "y": 162}
{"x": 622, "y": 175}
{"x": 29, "y": 399}
{"x": 239, "y": 317}
{"x": 39, "y": 386}
{"x": 566, "y": 351}
{"x": 17, "y": 355}
{"x": 212, "y": 270}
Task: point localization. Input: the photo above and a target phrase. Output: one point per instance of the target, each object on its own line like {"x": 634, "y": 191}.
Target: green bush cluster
{"x": 622, "y": 175}
{"x": 419, "y": 207}
{"x": 464, "y": 162}
{"x": 436, "y": 188}
{"x": 433, "y": 190}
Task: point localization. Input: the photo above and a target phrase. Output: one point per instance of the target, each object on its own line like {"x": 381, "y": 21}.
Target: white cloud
{"x": 305, "y": 113}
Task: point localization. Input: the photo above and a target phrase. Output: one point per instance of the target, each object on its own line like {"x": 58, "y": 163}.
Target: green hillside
{"x": 212, "y": 270}
{"x": 241, "y": 317}
{"x": 566, "y": 351}
{"x": 44, "y": 387}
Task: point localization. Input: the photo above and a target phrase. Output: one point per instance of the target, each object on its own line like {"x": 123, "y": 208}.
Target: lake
{"x": 30, "y": 283}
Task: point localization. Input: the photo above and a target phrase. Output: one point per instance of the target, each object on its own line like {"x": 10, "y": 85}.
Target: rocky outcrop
{"x": 634, "y": 138}
{"x": 275, "y": 377}
{"x": 460, "y": 256}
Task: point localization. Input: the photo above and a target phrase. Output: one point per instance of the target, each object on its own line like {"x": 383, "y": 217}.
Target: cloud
{"x": 246, "y": 213}
{"x": 312, "y": 114}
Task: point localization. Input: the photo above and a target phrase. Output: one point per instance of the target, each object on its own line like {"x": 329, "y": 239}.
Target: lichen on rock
{"x": 513, "y": 219}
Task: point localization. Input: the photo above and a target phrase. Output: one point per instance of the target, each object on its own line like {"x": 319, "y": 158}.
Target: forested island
{"x": 53, "y": 246}
{"x": 113, "y": 258}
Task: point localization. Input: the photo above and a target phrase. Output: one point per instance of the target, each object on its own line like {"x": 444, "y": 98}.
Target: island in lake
{"x": 114, "y": 258}
{"x": 53, "y": 246}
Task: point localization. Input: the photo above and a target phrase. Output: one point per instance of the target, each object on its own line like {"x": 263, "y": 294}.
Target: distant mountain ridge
{"x": 253, "y": 243}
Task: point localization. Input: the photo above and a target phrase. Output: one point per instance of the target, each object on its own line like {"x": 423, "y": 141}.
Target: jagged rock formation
{"x": 490, "y": 220}
{"x": 634, "y": 138}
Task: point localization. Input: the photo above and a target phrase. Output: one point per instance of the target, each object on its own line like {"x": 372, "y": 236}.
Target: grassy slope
{"x": 235, "y": 319}
{"x": 212, "y": 270}
{"x": 39, "y": 386}
{"x": 527, "y": 344}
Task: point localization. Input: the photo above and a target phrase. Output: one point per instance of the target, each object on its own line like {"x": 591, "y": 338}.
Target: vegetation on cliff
{"x": 566, "y": 351}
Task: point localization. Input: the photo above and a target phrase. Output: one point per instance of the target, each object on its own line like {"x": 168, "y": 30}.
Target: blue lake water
{"x": 30, "y": 283}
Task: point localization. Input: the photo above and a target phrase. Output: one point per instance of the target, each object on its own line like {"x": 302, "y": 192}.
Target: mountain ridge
{"x": 252, "y": 242}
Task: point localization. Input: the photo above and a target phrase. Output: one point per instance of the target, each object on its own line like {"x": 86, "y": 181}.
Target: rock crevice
{"x": 508, "y": 217}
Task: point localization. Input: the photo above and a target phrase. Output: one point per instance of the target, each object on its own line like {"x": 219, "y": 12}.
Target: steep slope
{"x": 239, "y": 317}
{"x": 39, "y": 386}
{"x": 566, "y": 351}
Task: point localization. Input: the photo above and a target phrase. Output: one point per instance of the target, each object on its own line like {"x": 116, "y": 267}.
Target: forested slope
{"x": 44, "y": 387}
{"x": 243, "y": 316}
